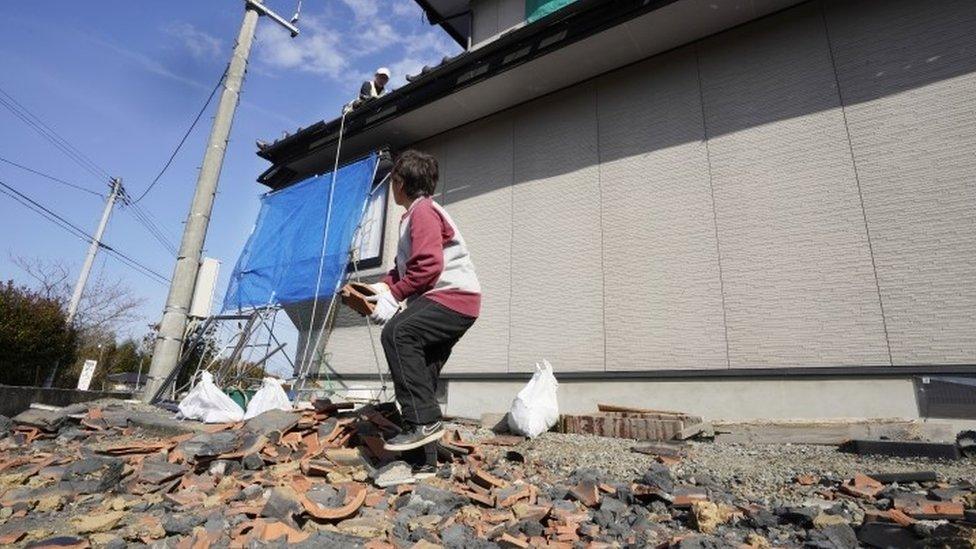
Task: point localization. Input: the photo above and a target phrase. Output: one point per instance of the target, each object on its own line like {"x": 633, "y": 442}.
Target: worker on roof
{"x": 371, "y": 89}
{"x": 375, "y": 87}
{"x": 426, "y": 302}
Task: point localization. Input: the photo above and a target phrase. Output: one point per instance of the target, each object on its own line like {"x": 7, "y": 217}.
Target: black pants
{"x": 417, "y": 343}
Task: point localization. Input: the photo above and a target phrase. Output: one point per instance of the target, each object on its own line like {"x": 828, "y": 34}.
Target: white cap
{"x": 384, "y": 71}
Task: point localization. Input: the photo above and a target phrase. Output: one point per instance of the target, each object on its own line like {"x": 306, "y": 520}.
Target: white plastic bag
{"x": 207, "y": 403}
{"x": 535, "y": 408}
{"x": 269, "y": 397}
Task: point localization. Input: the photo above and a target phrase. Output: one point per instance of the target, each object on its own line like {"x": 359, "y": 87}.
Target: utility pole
{"x": 96, "y": 243}
{"x": 92, "y": 250}
{"x": 169, "y": 338}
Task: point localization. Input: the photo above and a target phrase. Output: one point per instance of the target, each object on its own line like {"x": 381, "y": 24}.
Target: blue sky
{"x": 122, "y": 80}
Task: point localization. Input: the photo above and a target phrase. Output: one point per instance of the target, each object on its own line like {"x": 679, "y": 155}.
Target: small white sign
{"x": 86, "y": 374}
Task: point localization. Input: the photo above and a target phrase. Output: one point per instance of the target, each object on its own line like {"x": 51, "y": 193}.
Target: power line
{"x": 154, "y": 231}
{"x": 144, "y": 218}
{"x": 77, "y": 231}
{"x": 78, "y": 157}
{"x": 70, "y": 227}
{"x": 141, "y": 216}
{"x": 86, "y": 163}
{"x": 156, "y": 222}
{"x": 67, "y": 227}
{"x": 47, "y": 211}
{"x": 26, "y": 120}
{"x": 133, "y": 263}
{"x": 48, "y": 133}
{"x": 55, "y": 135}
{"x": 183, "y": 139}
{"x": 51, "y": 177}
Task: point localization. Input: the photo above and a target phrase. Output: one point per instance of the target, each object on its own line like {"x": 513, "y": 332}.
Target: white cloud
{"x": 405, "y": 66}
{"x": 405, "y": 8}
{"x": 152, "y": 66}
{"x": 147, "y": 63}
{"x": 318, "y": 53}
{"x": 363, "y": 9}
{"x": 343, "y": 42}
{"x": 200, "y": 44}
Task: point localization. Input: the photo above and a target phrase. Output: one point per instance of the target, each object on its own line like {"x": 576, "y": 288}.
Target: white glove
{"x": 379, "y": 288}
{"x": 386, "y": 307}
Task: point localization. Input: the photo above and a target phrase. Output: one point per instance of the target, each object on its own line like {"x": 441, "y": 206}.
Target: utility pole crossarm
{"x": 265, "y": 10}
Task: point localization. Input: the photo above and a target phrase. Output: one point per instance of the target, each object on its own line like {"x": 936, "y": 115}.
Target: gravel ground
{"x": 751, "y": 471}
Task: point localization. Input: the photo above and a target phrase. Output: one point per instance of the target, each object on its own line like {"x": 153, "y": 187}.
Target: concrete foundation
{"x": 740, "y": 399}
{"x": 734, "y": 399}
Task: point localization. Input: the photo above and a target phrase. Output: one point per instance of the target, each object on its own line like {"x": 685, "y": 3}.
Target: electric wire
{"x": 70, "y": 227}
{"x": 51, "y": 177}
{"x": 153, "y": 230}
{"x": 186, "y": 135}
{"x": 67, "y": 152}
{"x": 86, "y": 163}
{"x": 155, "y": 221}
{"x": 48, "y": 214}
{"x": 32, "y": 120}
{"x": 151, "y": 226}
{"x": 136, "y": 265}
{"x": 51, "y": 135}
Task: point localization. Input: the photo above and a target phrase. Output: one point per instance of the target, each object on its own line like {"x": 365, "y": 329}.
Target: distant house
{"x": 734, "y": 208}
{"x": 127, "y": 382}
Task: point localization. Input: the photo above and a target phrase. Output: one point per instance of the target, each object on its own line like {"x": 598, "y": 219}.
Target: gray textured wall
{"x": 796, "y": 192}
{"x": 915, "y": 148}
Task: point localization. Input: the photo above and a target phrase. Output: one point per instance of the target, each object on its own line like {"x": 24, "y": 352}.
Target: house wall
{"x": 796, "y": 192}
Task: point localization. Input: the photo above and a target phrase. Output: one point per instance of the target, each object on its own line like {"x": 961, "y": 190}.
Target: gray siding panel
{"x": 907, "y": 76}
{"x": 477, "y": 160}
{"x": 348, "y": 349}
{"x": 663, "y": 292}
{"x": 799, "y": 285}
{"x": 592, "y": 213}
{"x": 557, "y": 279}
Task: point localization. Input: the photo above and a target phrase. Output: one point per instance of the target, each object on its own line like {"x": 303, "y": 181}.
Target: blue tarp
{"x": 280, "y": 262}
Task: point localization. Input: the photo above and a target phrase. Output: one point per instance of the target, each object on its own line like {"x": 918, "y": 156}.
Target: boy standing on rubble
{"x": 427, "y": 301}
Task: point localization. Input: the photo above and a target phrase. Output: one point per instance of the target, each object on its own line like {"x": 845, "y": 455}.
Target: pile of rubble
{"x": 86, "y": 476}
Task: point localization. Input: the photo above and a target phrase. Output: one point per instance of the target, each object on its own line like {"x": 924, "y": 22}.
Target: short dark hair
{"x": 418, "y": 171}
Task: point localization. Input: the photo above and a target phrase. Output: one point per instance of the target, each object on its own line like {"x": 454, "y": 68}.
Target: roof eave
{"x": 481, "y": 82}
{"x": 322, "y": 133}
{"x": 441, "y": 19}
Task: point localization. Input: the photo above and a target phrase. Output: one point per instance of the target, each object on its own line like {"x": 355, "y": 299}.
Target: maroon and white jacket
{"x": 432, "y": 261}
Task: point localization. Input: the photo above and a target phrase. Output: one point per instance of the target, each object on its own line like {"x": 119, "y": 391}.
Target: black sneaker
{"x": 415, "y": 436}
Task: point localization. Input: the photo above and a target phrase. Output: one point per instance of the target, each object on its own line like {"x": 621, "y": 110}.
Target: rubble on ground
{"x": 90, "y": 476}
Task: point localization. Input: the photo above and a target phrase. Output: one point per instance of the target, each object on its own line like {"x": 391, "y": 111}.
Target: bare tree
{"x": 105, "y": 306}
{"x": 50, "y": 277}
